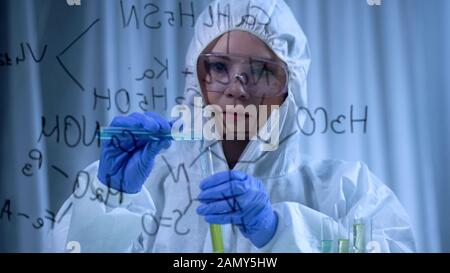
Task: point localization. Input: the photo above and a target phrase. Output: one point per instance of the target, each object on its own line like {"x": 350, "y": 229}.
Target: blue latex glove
{"x": 126, "y": 162}
{"x": 233, "y": 197}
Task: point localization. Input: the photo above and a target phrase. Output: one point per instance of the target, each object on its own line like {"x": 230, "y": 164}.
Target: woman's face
{"x": 237, "y": 91}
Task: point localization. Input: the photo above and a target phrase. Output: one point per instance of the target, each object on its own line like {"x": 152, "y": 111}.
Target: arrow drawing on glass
{"x": 58, "y": 57}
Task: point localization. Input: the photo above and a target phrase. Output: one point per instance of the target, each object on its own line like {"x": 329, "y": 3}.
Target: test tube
{"x": 343, "y": 245}
{"x": 371, "y": 246}
{"x": 327, "y": 235}
{"x": 215, "y": 230}
{"x": 359, "y": 236}
{"x": 343, "y": 241}
{"x": 109, "y": 133}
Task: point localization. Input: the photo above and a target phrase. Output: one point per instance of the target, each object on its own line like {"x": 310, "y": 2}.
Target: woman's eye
{"x": 257, "y": 71}
{"x": 218, "y": 67}
{"x": 260, "y": 70}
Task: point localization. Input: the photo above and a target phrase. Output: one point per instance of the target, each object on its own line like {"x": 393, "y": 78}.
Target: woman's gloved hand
{"x": 126, "y": 161}
{"x": 233, "y": 197}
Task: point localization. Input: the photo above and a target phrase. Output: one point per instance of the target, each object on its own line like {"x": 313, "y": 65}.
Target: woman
{"x": 266, "y": 201}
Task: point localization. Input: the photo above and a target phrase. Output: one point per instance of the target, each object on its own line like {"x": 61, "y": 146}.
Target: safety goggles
{"x": 259, "y": 77}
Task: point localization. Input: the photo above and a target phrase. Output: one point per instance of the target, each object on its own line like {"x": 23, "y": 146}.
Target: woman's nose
{"x": 236, "y": 89}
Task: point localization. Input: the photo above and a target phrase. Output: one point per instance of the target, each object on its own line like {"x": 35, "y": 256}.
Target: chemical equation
{"x": 124, "y": 100}
{"x": 153, "y": 17}
{"x": 25, "y": 50}
{"x": 151, "y": 223}
{"x": 83, "y": 187}
{"x": 7, "y": 213}
{"x": 153, "y": 10}
{"x": 156, "y": 73}
{"x": 320, "y": 116}
{"x": 79, "y": 188}
{"x": 73, "y": 131}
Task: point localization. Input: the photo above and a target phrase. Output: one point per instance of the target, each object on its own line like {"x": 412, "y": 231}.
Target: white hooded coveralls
{"x": 162, "y": 216}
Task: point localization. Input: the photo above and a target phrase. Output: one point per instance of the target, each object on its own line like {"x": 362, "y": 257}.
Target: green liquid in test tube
{"x": 343, "y": 242}
{"x": 358, "y": 237}
{"x": 215, "y": 230}
{"x": 343, "y": 245}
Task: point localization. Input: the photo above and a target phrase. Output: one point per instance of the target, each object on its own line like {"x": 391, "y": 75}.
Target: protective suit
{"x": 162, "y": 216}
